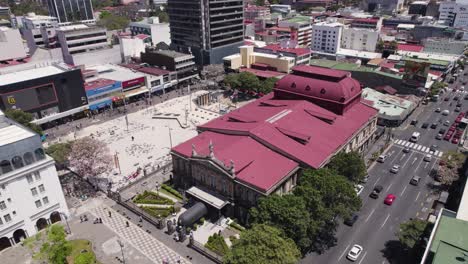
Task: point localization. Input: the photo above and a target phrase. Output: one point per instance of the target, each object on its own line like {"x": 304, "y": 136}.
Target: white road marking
{"x": 399, "y": 141}
{"x": 404, "y": 155}
{"x": 407, "y": 143}
{"x": 417, "y": 196}
{"x": 436, "y": 153}
{"x": 367, "y": 219}
{"x": 344, "y": 252}
{"x": 407, "y": 160}
{"x": 424, "y": 149}
{"x": 401, "y": 194}
{"x": 425, "y": 165}
{"x": 388, "y": 188}
{"x": 363, "y": 257}
{"x": 411, "y": 145}
{"x": 415, "y": 159}
{"x": 385, "y": 221}
{"x": 377, "y": 180}
{"x": 419, "y": 147}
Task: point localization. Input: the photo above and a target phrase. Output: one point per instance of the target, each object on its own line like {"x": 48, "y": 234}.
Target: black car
{"x": 442, "y": 131}
{"x": 425, "y": 125}
{"x": 434, "y": 125}
{"x": 446, "y": 98}
{"x": 350, "y": 221}
{"x": 466, "y": 97}
{"x": 459, "y": 104}
{"x": 376, "y": 191}
{"x": 455, "y": 98}
{"x": 414, "y": 122}
{"x": 433, "y": 148}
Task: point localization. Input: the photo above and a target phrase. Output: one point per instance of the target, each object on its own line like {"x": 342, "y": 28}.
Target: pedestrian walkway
{"x": 418, "y": 147}
{"x": 137, "y": 237}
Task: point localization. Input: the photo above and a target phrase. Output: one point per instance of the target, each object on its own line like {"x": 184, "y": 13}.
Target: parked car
{"x": 457, "y": 109}
{"x": 428, "y": 157}
{"x": 434, "y": 125}
{"x": 455, "y": 140}
{"x": 446, "y": 98}
{"x": 414, "y": 122}
{"x": 358, "y": 188}
{"x": 395, "y": 169}
{"x": 425, "y": 125}
{"x": 439, "y": 136}
{"x": 466, "y": 97}
{"x": 350, "y": 221}
{"x": 406, "y": 150}
{"x": 381, "y": 158}
{"x": 438, "y": 110}
{"x": 365, "y": 179}
{"x": 415, "y": 180}
{"x": 433, "y": 148}
{"x": 447, "y": 123}
{"x": 389, "y": 199}
{"x": 355, "y": 252}
{"x": 459, "y": 104}
{"x": 375, "y": 193}
{"x": 442, "y": 131}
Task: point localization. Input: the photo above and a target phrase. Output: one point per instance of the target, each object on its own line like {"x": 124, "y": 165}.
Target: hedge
{"x": 172, "y": 191}
{"x": 152, "y": 198}
{"x": 217, "y": 244}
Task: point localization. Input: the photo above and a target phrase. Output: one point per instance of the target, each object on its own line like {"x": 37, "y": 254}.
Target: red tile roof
{"x": 410, "y": 47}
{"x": 262, "y": 74}
{"x": 144, "y": 69}
{"x": 142, "y": 36}
{"x": 98, "y": 83}
{"x": 252, "y": 167}
{"x": 297, "y": 51}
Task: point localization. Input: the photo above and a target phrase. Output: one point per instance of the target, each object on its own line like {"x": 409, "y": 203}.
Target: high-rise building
{"x": 326, "y": 37}
{"x": 31, "y": 196}
{"x": 71, "y": 11}
{"x": 209, "y": 29}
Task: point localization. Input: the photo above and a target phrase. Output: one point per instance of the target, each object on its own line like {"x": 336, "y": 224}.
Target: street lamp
{"x": 121, "y": 249}
{"x": 170, "y": 136}
{"x": 66, "y": 221}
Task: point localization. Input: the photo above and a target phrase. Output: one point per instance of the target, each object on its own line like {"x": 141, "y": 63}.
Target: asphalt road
{"x": 375, "y": 230}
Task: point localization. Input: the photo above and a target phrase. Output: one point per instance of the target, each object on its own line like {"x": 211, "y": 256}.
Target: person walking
{"x": 110, "y": 214}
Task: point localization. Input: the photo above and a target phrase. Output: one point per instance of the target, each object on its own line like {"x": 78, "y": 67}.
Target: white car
{"x": 382, "y": 158}
{"x": 428, "y": 157}
{"x": 355, "y": 252}
{"x": 395, "y": 169}
{"x": 358, "y": 188}
{"x": 438, "y": 110}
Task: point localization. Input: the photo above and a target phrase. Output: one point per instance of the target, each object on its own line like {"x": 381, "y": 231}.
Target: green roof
{"x": 352, "y": 67}
{"x": 299, "y": 19}
{"x": 450, "y": 240}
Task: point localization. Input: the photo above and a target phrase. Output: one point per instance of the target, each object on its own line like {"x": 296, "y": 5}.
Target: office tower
{"x": 68, "y": 11}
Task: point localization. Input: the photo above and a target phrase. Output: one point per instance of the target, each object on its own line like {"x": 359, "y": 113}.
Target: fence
{"x": 139, "y": 179}
{"x": 205, "y": 252}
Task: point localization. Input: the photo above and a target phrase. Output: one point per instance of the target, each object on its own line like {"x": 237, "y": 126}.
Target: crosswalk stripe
{"x": 424, "y": 149}
{"x": 440, "y": 154}
{"x": 411, "y": 145}
{"x": 436, "y": 153}
{"x": 399, "y": 142}
{"x": 419, "y": 147}
{"x": 407, "y": 143}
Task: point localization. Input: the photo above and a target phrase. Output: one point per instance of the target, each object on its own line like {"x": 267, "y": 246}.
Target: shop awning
{"x": 135, "y": 92}
{"x": 206, "y": 197}
{"x": 56, "y": 116}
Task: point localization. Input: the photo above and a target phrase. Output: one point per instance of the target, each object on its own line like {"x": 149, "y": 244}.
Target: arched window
{"x": 323, "y": 91}
{"x": 5, "y": 166}
{"x": 39, "y": 153}
{"x": 28, "y": 158}
{"x": 17, "y": 162}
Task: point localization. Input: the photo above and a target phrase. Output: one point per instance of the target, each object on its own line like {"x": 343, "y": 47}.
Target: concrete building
{"x": 157, "y": 79}
{"x": 80, "y": 38}
{"x": 261, "y": 148}
{"x": 33, "y": 21}
{"x": 371, "y": 23}
{"x": 454, "y": 13}
{"x": 301, "y": 29}
{"x": 444, "y": 46}
{"x": 31, "y": 195}
{"x": 151, "y": 26}
{"x": 210, "y": 30}
{"x": 326, "y": 37}
{"x": 359, "y": 39}
{"x": 393, "y": 110}
{"x": 11, "y": 44}
{"x": 418, "y": 8}
{"x": 72, "y": 11}
{"x": 183, "y": 64}
{"x": 251, "y": 12}
{"x": 383, "y": 6}
{"x": 100, "y": 93}
{"x": 132, "y": 47}
{"x": 288, "y": 49}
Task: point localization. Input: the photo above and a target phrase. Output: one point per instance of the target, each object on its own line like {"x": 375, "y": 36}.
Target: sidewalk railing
{"x": 197, "y": 246}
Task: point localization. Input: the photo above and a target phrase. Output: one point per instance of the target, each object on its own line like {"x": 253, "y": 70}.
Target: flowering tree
{"x": 89, "y": 157}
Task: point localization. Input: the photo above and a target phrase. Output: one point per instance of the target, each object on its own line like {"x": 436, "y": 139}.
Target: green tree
{"x": 267, "y": 85}
{"x": 104, "y": 14}
{"x": 23, "y": 118}
{"x": 99, "y": 4}
{"x": 59, "y": 151}
{"x": 232, "y": 81}
{"x": 263, "y": 244}
{"x": 27, "y": 6}
{"x": 248, "y": 81}
{"x": 260, "y": 2}
{"x": 85, "y": 258}
{"x": 288, "y": 213}
{"x": 337, "y": 193}
{"x": 411, "y": 232}
{"x": 436, "y": 87}
{"x": 56, "y": 249}
{"x": 351, "y": 165}
{"x": 113, "y": 22}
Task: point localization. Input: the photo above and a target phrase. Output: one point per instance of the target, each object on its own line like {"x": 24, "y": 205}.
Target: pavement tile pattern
{"x": 144, "y": 242}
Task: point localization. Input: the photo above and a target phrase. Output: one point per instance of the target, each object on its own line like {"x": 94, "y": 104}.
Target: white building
{"x": 359, "y": 39}
{"x": 33, "y": 21}
{"x": 80, "y": 38}
{"x": 326, "y": 37}
{"x": 302, "y": 26}
{"x": 31, "y": 196}
{"x": 132, "y": 47}
{"x": 454, "y": 13}
{"x": 444, "y": 46}
{"x": 11, "y": 44}
{"x": 151, "y": 26}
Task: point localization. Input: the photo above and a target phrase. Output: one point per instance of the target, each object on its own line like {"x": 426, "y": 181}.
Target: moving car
{"x": 358, "y": 188}
{"x": 406, "y": 150}
{"x": 415, "y": 180}
{"x": 457, "y": 109}
{"x": 414, "y": 122}
{"x": 382, "y": 158}
{"x": 433, "y": 148}
{"x": 447, "y": 123}
{"x": 425, "y": 125}
{"x": 375, "y": 193}
{"x": 445, "y": 112}
{"x": 438, "y": 110}
{"x": 415, "y": 137}
{"x": 350, "y": 221}
{"x": 355, "y": 252}
{"x": 389, "y": 199}
{"x": 428, "y": 157}
{"x": 395, "y": 169}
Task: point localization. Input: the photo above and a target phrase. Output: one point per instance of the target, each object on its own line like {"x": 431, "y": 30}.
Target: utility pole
{"x": 170, "y": 136}
{"x": 121, "y": 249}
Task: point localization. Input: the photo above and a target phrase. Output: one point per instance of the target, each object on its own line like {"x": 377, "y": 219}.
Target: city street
{"x": 375, "y": 230}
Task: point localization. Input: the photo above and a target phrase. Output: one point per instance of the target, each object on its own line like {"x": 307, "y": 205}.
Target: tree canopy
{"x": 112, "y": 22}
{"x": 89, "y": 157}
{"x": 27, "y": 6}
{"x": 246, "y": 81}
{"x": 449, "y": 169}
{"x": 411, "y": 232}
{"x": 24, "y": 119}
{"x": 56, "y": 249}
{"x": 351, "y": 165}
{"x": 59, "y": 151}
{"x": 263, "y": 244}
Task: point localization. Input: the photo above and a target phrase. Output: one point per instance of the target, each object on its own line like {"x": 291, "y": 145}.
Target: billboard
{"x": 415, "y": 73}
{"x": 30, "y": 98}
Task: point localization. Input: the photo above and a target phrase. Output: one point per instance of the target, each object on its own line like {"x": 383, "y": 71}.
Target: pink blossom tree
{"x": 90, "y": 157}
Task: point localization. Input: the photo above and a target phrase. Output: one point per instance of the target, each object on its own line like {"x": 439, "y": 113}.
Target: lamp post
{"x": 170, "y": 136}
{"x": 66, "y": 221}
{"x": 121, "y": 249}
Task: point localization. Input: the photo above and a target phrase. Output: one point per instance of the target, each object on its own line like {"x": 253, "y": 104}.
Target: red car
{"x": 452, "y": 128}
{"x": 461, "y": 115}
{"x": 448, "y": 136}
{"x": 455, "y": 140}
{"x": 389, "y": 199}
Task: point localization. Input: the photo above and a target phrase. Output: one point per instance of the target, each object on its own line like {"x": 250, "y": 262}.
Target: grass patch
{"x": 151, "y": 198}
{"x": 170, "y": 194}
{"x": 82, "y": 252}
{"x": 217, "y": 244}
{"x": 172, "y": 191}
{"x": 160, "y": 212}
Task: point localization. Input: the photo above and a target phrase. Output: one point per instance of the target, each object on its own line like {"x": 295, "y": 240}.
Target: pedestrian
{"x": 81, "y": 219}
{"x": 178, "y": 259}
{"x": 127, "y": 224}
{"x": 133, "y": 138}
{"x": 110, "y": 214}
{"x": 100, "y": 220}
{"x": 141, "y": 219}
